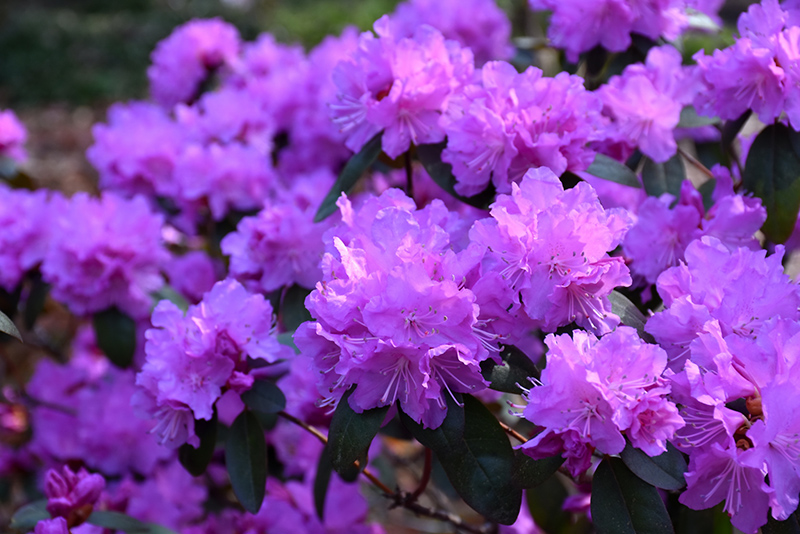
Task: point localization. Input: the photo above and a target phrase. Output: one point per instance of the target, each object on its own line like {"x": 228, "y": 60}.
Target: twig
{"x": 398, "y": 498}
{"x": 513, "y": 433}
{"x": 426, "y": 475}
{"x": 699, "y": 166}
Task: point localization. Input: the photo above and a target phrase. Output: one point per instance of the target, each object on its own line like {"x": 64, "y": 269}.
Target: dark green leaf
{"x": 116, "y": 336}
{"x": 629, "y": 314}
{"x": 515, "y": 369}
{"x": 660, "y": 178}
{"x": 613, "y": 171}
{"x": 789, "y": 526}
{"x": 772, "y": 173}
{"x": 690, "y": 119}
{"x": 158, "y": 529}
{"x": 731, "y": 129}
{"x": 264, "y": 397}
{"x": 687, "y": 521}
{"x": 529, "y": 473}
{"x": 7, "y": 326}
{"x": 622, "y": 503}
{"x": 34, "y": 304}
{"x": 545, "y": 501}
{"x": 117, "y": 521}
{"x": 480, "y": 464}
{"x": 352, "y": 171}
{"x": 30, "y": 514}
{"x": 195, "y": 461}
{"x": 287, "y": 338}
{"x": 450, "y": 431}
{"x": 246, "y": 458}
{"x": 351, "y": 433}
{"x": 664, "y": 471}
{"x": 293, "y": 307}
{"x": 322, "y": 481}
{"x": 442, "y": 173}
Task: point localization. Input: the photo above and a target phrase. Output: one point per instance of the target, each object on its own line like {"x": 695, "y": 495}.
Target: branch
{"x": 398, "y": 498}
{"x": 695, "y": 163}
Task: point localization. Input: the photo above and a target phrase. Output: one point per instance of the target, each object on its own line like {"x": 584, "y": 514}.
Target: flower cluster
{"x": 550, "y": 247}
{"x": 394, "y": 317}
{"x": 593, "y": 390}
{"x": 760, "y": 72}
{"x": 579, "y": 25}
{"x": 399, "y": 86}
{"x": 509, "y": 122}
{"x": 730, "y": 322}
{"x": 192, "y": 357}
{"x": 661, "y": 234}
{"x": 25, "y": 218}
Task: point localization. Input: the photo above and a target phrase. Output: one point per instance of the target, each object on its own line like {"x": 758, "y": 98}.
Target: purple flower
{"x": 594, "y": 389}
{"x": 135, "y": 153}
{"x": 25, "y": 218}
{"x": 182, "y": 61}
{"x": 191, "y": 358}
{"x": 716, "y": 474}
{"x": 392, "y": 317}
{"x": 12, "y": 137}
{"x": 105, "y": 252}
{"x": 478, "y": 24}
{"x": 193, "y": 274}
{"x": 68, "y": 492}
{"x": 57, "y": 525}
{"x": 282, "y": 245}
{"x": 645, "y": 102}
{"x": 551, "y": 248}
{"x": 509, "y": 122}
{"x": 398, "y": 85}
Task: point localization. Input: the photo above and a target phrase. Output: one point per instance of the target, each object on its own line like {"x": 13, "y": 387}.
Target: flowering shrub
{"x": 304, "y": 270}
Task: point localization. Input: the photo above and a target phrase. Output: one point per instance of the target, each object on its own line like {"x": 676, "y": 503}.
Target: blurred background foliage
{"x": 94, "y": 52}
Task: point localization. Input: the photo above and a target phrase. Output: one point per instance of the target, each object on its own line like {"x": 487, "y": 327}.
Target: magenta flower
{"x": 191, "y": 358}
{"x": 184, "y": 59}
{"x": 551, "y": 248}
{"x": 398, "y": 85}
{"x": 67, "y": 491}
{"x": 510, "y": 122}
{"x": 105, "y": 252}
{"x": 478, "y": 24}
{"x": 392, "y": 317}
{"x": 594, "y": 389}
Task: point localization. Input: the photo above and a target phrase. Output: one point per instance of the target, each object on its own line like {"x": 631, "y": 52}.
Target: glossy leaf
{"x": 26, "y": 517}
{"x": 480, "y": 464}
{"x": 731, "y": 129}
{"x": 516, "y": 368}
{"x": 351, "y": 433}
{"x": 293, "y": 307}
{"x": 246, "y": 459}
{"x": 545, "y": 501}
{"x": 629, "y": 314}
{"x": 622, "y": 503}
{"x": 529, "y": 473}
{"x": 264, "y": 397}
{"x": 7, "y": 326}
{"x": 660, "y": 178}
{"x": 772, "y": 173}
{"x": 612, "y": 170}
{"x": 450, "y": 431}
{"x": 116, "y": 336}
{"x": 195, "y": 461}
{"x": 353, "y": 170}
{"x": 664, "y": 471}
{"x": 118, "y": 521}
{"x": 442, "y": 173}
{"x": 322, "y": 481}
{"x": 690, "y": 119}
